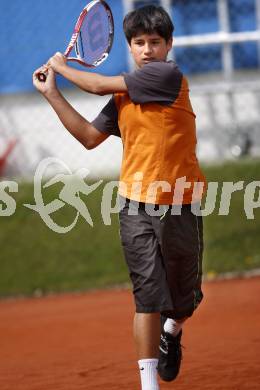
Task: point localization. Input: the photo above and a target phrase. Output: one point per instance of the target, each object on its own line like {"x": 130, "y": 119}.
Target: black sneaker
{"x": 170, "y": 356}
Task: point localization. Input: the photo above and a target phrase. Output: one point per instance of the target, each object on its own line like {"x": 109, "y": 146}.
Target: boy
{"x": 151, "y": 111}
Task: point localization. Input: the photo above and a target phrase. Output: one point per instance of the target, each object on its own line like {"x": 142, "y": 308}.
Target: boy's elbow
{"x": 89, "y": 145}
{"x": 100, "y": 87}
{"x": 99, "y": 90}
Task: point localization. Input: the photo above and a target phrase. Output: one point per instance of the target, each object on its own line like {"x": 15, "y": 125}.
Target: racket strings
{"x": 95, "y": 35}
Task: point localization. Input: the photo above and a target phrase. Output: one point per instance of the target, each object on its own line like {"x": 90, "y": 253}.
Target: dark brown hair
{"x": 148, "y": 20}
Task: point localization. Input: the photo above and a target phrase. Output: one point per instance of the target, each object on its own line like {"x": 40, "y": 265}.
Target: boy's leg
{"x": 173, "y": 327}
{"x": 144, "y": 259}
{"x": 170, "y": 349}
{"x": 147, "y": 333}
{"x": 147, "y": 329}
{"x": 182, "y": 248}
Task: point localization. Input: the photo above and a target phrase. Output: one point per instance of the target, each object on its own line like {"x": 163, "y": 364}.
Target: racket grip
{"x": 42, "y": 77}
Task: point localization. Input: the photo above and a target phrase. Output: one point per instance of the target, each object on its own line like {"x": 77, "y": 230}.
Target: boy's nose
{"x": 147, "y": 48}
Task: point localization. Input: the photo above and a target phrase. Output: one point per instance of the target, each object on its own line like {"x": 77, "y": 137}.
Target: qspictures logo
{"x": 74, "y": 185}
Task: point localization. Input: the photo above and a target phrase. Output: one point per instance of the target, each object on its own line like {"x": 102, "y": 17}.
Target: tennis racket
{"x": 92, "y": 37}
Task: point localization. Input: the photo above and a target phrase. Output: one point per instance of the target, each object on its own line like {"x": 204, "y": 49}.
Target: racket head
{"x": 93, "y": 35}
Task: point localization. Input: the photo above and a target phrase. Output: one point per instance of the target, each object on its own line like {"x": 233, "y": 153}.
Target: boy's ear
{"x": 170, "y": 44}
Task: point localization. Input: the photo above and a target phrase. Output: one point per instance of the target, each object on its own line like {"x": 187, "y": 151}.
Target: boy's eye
{"x": 141, "y": 43}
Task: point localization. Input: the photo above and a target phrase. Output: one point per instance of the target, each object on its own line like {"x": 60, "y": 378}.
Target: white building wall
{"x": 224, "y": 118}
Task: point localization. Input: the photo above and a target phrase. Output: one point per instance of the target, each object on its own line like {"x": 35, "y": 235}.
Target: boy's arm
{"x": 93, "y": 82}
{"x": 89, "y": 82}
{"x": 78, "y": 126}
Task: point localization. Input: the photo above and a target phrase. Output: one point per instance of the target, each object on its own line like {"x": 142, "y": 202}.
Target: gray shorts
{"x": 164, "y": 258}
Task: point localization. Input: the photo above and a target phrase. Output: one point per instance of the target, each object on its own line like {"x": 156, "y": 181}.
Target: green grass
{"x": 232, "y": 242}
{"x": 34, "y": 258}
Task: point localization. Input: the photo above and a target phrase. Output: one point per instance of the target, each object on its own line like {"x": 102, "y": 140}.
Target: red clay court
{"x": 84, "y": 341}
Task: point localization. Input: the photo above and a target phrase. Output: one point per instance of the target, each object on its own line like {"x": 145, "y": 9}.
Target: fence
{"x": 216, "y": 43}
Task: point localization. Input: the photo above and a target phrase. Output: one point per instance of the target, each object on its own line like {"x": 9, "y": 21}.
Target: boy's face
{"x": 149, "y": 47}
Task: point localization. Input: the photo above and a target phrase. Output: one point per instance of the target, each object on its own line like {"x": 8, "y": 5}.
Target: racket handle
{"x": 42, "y": 77}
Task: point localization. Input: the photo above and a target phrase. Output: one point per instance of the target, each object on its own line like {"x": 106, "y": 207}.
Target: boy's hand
{"x": 54, "y": 65}
{"x": 57, "y": 62}
{"x": 49, "y": 85}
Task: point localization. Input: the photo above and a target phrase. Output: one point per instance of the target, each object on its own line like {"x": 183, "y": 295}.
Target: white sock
{"x": 148, "y": 374}
{"x": 172, "y": 327}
